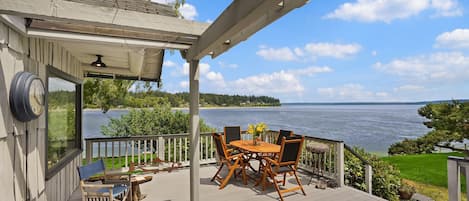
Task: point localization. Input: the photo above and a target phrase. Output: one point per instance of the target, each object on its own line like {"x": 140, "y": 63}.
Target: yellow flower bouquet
{"x": 256, "y": 130}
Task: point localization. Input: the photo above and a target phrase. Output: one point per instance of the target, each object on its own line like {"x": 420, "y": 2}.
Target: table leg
{"x": 135, "y": 192}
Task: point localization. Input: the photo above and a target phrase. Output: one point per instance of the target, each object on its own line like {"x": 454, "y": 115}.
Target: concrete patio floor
{"x": 174, "y": 186}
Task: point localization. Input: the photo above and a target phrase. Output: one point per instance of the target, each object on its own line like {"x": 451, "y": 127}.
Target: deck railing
{"x": 119, "y": 152}
{"x": 368, "y": 170}
{"x": 333, "y": 161}
{"x": 456, "y": 165}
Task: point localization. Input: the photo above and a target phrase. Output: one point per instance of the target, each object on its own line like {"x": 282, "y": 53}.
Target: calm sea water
{"x": 373, "y": 127}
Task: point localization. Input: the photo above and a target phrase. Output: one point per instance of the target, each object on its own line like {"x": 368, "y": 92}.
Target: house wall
{"x": 22, "y": 145}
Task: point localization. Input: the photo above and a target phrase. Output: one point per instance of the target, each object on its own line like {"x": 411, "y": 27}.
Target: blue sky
{"x": 340, "y": 51}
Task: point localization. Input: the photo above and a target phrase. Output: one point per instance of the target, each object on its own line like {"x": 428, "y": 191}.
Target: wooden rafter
{"x": 81, "y": 13}
{"x": 237, "y": 23}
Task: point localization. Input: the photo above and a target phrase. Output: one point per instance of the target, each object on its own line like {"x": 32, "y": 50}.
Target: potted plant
{"x": 406, "y": 191}
{"x": 256, "y": 130}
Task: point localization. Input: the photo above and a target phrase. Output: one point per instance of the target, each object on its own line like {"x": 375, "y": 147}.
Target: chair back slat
{"x": 232, "y": 133}
{"x": 220, "y": 145}
{"x": 282, "y": 134}
{"x": 87, "y": 171}
{"x": 291, "y": 149}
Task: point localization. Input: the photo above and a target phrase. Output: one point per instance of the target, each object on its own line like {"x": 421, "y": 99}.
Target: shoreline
{"x": 187, "y": 108}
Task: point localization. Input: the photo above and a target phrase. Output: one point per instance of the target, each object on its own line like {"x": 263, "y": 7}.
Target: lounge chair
{"x": 113, "y": 187}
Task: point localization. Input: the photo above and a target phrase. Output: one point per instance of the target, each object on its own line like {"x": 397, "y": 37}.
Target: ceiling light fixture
{"x": 98, "y": 62}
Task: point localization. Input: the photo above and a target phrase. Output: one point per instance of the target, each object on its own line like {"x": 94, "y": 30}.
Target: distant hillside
{"x": 206, "y": 99}
{"x": 377, "y": 103}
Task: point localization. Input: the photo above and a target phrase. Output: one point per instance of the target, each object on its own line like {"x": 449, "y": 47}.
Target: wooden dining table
{"x": 255, "y": 151}
{"x": 260, "y": 148}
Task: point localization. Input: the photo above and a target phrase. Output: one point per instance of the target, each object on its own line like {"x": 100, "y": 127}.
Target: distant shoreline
{"x": 299, "y": 104}
{"x": 186, "y": 108}
{"x": 376, "y": 103}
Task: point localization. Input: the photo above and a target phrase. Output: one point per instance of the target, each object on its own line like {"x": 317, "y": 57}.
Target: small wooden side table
{"x": 136, "y": 181}
{"x": 318, "y": 149}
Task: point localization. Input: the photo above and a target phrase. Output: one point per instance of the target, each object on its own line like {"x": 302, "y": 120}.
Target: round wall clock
{"x": 27, "y": 96}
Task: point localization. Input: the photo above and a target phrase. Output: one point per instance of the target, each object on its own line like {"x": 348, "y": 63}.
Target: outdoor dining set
{"x": 241, "y": 154}
{"x": 279, "y": 159}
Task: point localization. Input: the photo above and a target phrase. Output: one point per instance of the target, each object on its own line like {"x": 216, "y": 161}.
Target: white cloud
{"x": 312, "y": 50}
{"x": 299, "y": 52}
{"x": 168, "y": 63}
{"x": 281, "y": 82}
{"x": 214, "y": 76}
{"x": 227, "y": 65}
{"x": 332, "y": 49}
{"x": 188, "y": 11}
{"x": 184, "y": 84}
{"x": 456, "y": 39}
{"x": 310, "y": 71}
{"x": 446, "y": 8}
{"x": 382, "y": 94}
{"x": 409, "y": 88}
{"x": 374, "y": 53}
{"x": 205, "y": 74}
{"x": 204, "y": 68}
{"x": 276, "y": 83}
{"x": 389, "y": 10}
{"x": 280, "y": 54}
{"x": 437, "y": 67}
{"x": 351, "y": 92}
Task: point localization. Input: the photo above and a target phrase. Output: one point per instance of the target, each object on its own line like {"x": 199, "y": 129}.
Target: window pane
{"x": 62, "y": 118}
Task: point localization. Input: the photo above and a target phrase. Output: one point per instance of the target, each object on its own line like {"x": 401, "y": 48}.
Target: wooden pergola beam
{"x": 104, "y": 40}
{"x": 81, "y": 13}
{"x": 237, "y": 23}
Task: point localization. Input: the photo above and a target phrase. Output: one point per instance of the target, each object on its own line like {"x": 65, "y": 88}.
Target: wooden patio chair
{"x": 232, "y": 161}
{"x": 282, "y": 134}
{"x": 113, "y": 186}
{"x": 232, "y": 133}
{"x": 284, "y": 163}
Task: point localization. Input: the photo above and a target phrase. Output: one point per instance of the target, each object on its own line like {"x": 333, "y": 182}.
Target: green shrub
{"x": 158, "y": 120}
{"x": 386, "y": 178}
{"x": 412, "y": 146}
{"x": 407, "y": 146}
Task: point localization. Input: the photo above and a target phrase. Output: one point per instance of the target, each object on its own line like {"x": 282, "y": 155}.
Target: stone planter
{"x": 404, "y": 195}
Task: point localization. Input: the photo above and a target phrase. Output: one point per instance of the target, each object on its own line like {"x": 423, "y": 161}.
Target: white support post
{"x": 339, "y": 159}
{"x": 466, "y": 170}
{"x": 454, "y": 182}
{"x": 161, "y": 148}
{"x": 194, "y": 129}
{"x": 89, "y": 152}
{"x": 369, "y": 178}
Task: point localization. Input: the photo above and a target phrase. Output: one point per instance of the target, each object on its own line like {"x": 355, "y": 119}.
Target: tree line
{"x": 107, "y": 94}
{"x": 207, "y": 99}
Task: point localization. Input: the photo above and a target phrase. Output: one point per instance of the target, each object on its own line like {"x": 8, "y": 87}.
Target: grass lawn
{"x": 437, "y": 193}
{"x": 424, "y": 168}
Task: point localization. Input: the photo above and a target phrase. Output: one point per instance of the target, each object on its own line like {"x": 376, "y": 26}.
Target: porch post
{"x": 340, "y": 165}
{"x": 194, "y": 129}
{"x": 454, "y": 181}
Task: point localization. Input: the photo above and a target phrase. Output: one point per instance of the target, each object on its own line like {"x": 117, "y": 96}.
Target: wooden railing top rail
{"x": 314, "y": 138}
{"x": 457, "y": 158}
{"x": 350, "y": 149}
{"x": 322, "y": 139}
{"x": 104, "y": 139}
